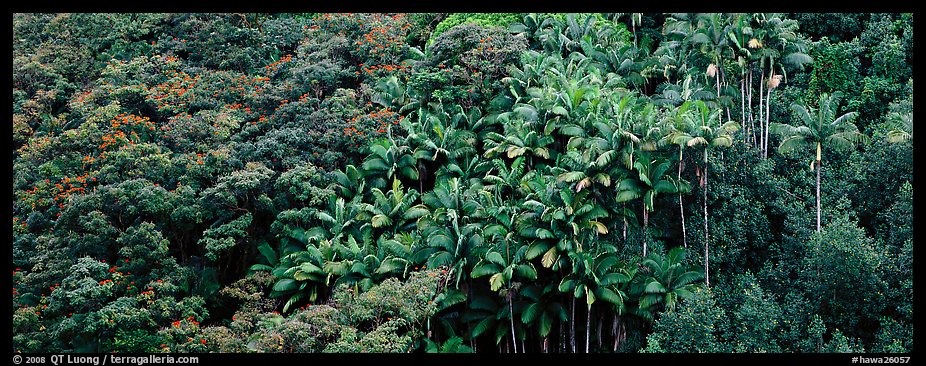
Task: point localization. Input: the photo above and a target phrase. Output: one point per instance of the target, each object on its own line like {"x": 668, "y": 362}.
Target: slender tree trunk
{"x": 768, "y": 96}
{"x": 717, "y": 78}
{"x": 423, "y": 171}
{"x": 720, "y": 116}
{"x": 572, "y": 329}
{"x": 588, "y": 328}
{"x": 752, "y": 124}
{"x": 621, "y": 332}
{"x": 707, "y": 279}
{"x": 633, "y": 28}
{"x": 768, "y": 102}
{"x": 625, "y": 226}
{"x": 614, "y": 333}
{"x": 743, "y": 107}
{"x": 645, "y": 226}
{"x": 761, "y": 127}
{"x": 514, "y": 338}
{"x": 681, "y": 207}
{"x": 819, "y": 167}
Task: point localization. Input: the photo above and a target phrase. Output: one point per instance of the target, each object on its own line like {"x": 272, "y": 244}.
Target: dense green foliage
{"x": 462, "y": 183}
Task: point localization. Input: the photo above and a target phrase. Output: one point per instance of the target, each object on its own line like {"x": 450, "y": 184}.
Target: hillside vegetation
{"x": 491, "y": 183}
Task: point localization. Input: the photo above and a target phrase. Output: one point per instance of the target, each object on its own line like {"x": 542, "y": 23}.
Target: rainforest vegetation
{"x": 490, "y": 183}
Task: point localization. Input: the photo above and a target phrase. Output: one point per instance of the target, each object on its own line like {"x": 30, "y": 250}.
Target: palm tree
{"x": 449, "y": 234}
{"x": 629, "y": 62}
{"x": 683, "y": 123}
{"x": 349, "y": 183}
{"x": 740, "y": 33}
{"x": 503, "y": 179}
{"x": 681, "y": 91}
{"x": 570, "y": 218}
{"x": 777, "y": 43}
{"x": 391, "y": 211}
{"x": 669, "y": 281}
{"x": 388, "y": 158}
{"x": 902, "y": 130}
{"x": 710, "y": 38}
{"x": 301, "y": 270}
{"x": 563, "y": 222}
{"x": 504, "y": 261}
{"x": 542, "y": 307}
{"x": 818, "y": 128}
{"x": 635, "y": 18}
{"x": 519, "y": 140}
{"x": 650, "y": 181}
{"x": 529, "y": 27}
{"x": 392, "y": 93}
{"x": 297, "y": 269}
{"x": 351, "y": 265}
{"x": 596, "y": 277}
{"x": 451, "y": 345}
{"x": 706, "y": 135}
{"x": 483, "y": 314}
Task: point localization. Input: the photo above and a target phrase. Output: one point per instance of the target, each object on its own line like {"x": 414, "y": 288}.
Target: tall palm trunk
{"x": 707, "y": 279}
{"x": 723, "y": 81}
{"x": 768, "y": 101}
{"x": 623, "y": 207}
{"x": 717, "y": 79}
{"x": 572, "y": 328}
{"x": 819, "y": 167}
{"x": 633, "y": 28}
{"x": 681, "y": 207}
{"x": 423, "y": 170}
{"x": 514, "y": 338}
{"x": 645, "y": 227}
{"x": 761, "y": 127}
{"x": 588, "y": 328}
{"x": 752, "y": 124}
{"x": 717, "y": 97}
{"x": 614, "y": 333}
{"x": 743, "y": 105}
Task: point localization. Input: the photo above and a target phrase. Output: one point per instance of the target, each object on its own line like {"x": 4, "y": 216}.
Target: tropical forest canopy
{"x": 608, "y": 182}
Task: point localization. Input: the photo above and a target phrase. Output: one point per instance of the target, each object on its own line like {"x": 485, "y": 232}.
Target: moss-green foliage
{"x": 843, "y": 251}
{"x": 487, "y": 20}
{"x": 835, "y": 68}
{"x": 755, "y": 322}
{"x": 837, "y": 27}
{"x": 387, "y": 318}
{"x": 694, "y": 327}
{"x": 466, "y": 64}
